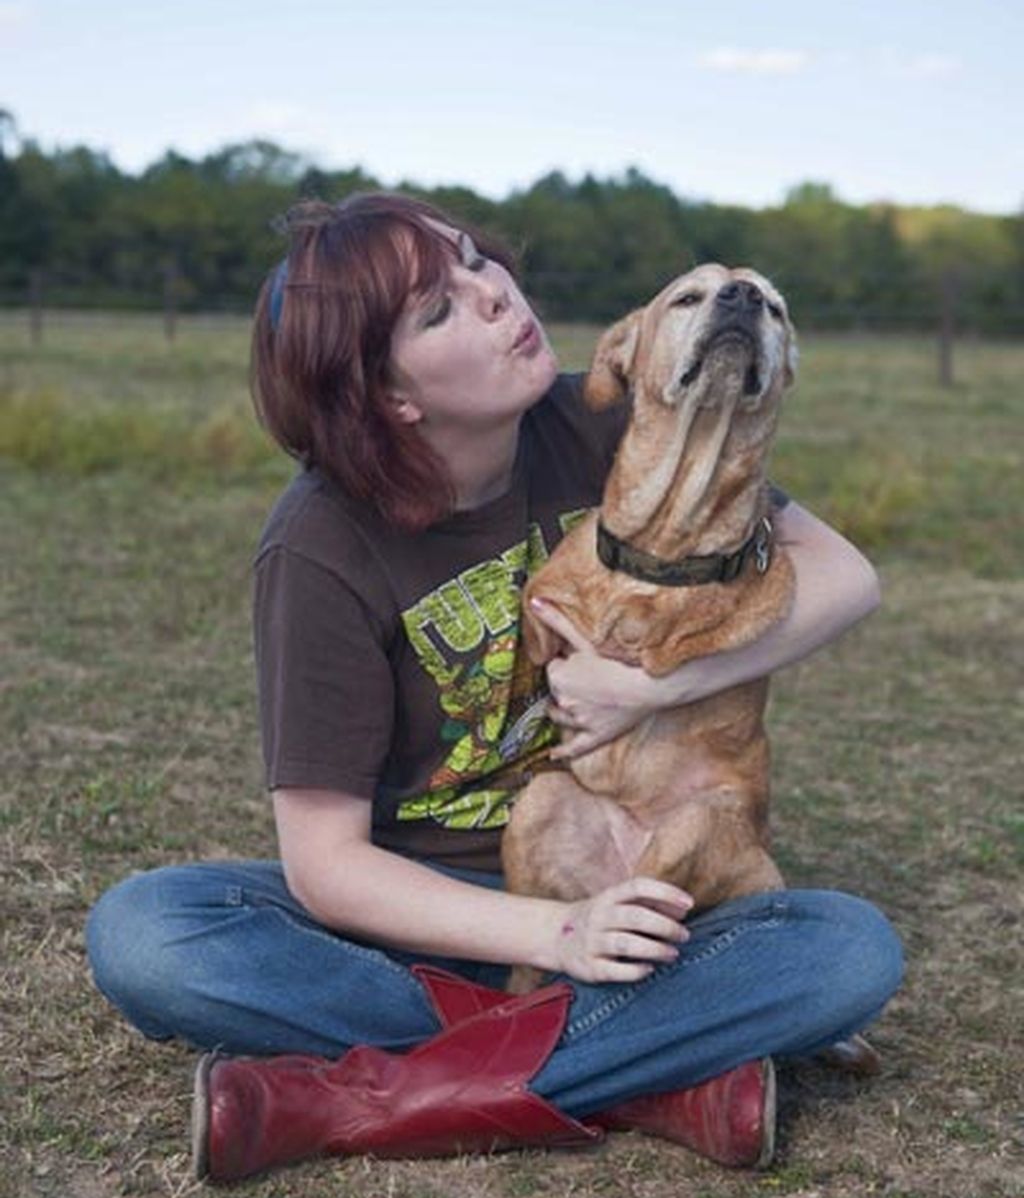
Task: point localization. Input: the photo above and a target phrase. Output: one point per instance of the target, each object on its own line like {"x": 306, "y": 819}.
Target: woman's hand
{"x": 622, "y": 933}
{"x": 348, "y": 883}
{"x": 593, "y": 698}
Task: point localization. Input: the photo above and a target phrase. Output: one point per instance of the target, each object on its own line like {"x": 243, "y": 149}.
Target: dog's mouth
{"x": 733, "y": 342}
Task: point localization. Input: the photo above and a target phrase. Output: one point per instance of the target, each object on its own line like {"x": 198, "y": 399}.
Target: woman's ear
{"x": 406, "y": 411}
{"x": 403, "y": 409}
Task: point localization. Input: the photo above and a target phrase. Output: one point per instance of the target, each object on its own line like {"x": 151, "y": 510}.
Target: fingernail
{"x": 537, "y": 602}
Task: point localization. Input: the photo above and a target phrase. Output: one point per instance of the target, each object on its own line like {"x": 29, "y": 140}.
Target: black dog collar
{"x": 687, "y": 571}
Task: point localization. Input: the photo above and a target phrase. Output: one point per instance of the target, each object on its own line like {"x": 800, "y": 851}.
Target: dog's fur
{"x": 683, "y": 796}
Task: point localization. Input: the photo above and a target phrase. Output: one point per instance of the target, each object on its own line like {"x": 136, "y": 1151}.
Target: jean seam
{"x": 242, "y": 896}
{"x": 366, "y": 952}
{"x": 623, "y": 996}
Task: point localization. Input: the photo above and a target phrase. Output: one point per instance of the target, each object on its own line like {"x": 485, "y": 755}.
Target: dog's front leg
{"x": 709, "y": 848}
{"x": 565, "y": 842}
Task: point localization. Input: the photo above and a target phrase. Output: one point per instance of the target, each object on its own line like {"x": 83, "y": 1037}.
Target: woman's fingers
{"x": 634, "y": 931}
{"x": 574, "y": 746}
{"x": 575, "y": 739}
{"x": 559, "y": 623}
{"x": 634, "y": 928}
{"x": 649, "y": 922}
{"x": 629, "y": 946}
{"x": 651, "y": 892}
{"x": 625, "y": 931}
{"x": 621, "y": 971}
{"x": 565, "y": 717}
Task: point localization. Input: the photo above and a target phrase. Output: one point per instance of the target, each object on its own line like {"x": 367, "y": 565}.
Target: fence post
{"x": 35, "y": 306}
{"x": 170, "y": 301}
{"x": 947, "y": 314}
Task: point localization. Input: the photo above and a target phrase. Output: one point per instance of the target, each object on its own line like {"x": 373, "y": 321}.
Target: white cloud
{"x": 754, "y": 62}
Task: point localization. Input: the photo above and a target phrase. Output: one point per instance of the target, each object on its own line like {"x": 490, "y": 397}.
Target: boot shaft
{"x": 465, "y": 1090}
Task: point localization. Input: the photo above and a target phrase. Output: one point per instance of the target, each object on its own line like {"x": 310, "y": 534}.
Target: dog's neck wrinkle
{"x": 698, "y": 470}
{"x": 677, "y": 520}
{"x": 724, "y": 517}
{"x": 721, "y": 526}
{"x": 627, "y": 508}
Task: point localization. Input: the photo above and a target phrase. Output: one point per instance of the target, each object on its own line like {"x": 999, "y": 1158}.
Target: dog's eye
{"x": 687, "y": 299}
{"x": 775, "y": 310}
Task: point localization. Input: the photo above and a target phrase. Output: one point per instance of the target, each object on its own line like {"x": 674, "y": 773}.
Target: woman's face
{"x": 472, "y": 353}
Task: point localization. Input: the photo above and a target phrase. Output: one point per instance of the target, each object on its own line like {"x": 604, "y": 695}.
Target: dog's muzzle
{"x": 737, "y": 328}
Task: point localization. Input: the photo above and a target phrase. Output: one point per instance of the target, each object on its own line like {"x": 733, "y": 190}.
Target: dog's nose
{"x": 739, "y": 297}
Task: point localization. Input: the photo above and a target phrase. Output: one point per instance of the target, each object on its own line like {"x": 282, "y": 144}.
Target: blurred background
{"x": 868, "y": 157}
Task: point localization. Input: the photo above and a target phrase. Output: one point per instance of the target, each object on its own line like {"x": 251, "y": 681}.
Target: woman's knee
{"x": 132, "y": 962}
{"x": 860, "y": 958}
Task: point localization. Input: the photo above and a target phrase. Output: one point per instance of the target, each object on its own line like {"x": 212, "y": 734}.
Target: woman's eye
{"x": 439, "y": 313}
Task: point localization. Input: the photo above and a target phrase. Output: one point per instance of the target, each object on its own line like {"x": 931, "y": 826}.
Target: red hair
{"x": 321, "y": 350}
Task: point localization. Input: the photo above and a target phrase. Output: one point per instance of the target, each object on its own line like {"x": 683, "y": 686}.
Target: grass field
{"x": 134, "y": 487}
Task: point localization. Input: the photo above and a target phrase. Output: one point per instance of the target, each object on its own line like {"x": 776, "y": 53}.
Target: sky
{"x": 733, "y": 101}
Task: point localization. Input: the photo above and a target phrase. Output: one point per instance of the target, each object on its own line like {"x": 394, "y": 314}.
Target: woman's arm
{"x": 349, "y": 884}
{"x": 598, "y": 699}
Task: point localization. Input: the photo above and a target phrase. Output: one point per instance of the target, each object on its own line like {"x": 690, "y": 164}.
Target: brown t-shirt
{"x": 390, "y": 664}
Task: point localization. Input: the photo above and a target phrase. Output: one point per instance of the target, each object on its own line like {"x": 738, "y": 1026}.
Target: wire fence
{"x": 943, "y": 311}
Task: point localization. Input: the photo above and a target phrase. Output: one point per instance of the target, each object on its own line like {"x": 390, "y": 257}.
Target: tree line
{"x": 77, "y": 231}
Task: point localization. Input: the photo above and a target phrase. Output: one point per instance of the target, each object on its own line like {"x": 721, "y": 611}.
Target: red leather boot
{"x": 462, "y": 1091}
{"x": 729, "y": 1119}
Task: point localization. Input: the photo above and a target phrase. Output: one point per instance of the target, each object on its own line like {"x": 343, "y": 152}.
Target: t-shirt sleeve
{"x": 325, "y": 684}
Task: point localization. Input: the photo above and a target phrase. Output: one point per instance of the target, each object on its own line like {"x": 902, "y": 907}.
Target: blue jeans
{"x": 222, "y": 955}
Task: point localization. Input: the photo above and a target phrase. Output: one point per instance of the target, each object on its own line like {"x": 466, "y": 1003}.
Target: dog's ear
{"x": 608, "y": 377}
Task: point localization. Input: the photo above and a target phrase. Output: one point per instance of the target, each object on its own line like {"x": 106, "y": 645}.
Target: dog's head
{"x": 710, "y": 334}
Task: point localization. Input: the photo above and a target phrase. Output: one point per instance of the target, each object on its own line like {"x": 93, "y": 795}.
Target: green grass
{"x": 869, "y": 440}
{"x": 130, "y": 739}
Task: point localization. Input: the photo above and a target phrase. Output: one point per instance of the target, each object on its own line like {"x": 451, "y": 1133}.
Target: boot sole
{"x": 853, "y": 1055}
{"x": 768, "y": 1141}
{"x": 201, "y": 1117}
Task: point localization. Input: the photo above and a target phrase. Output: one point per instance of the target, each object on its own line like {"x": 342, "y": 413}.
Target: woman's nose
{"x": 493, "y": 295}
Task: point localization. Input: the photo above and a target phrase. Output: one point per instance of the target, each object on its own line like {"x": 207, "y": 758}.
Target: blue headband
{"x": 277, "y": 294}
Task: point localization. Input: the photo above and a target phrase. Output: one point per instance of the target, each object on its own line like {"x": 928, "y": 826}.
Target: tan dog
{"x": 684, "y": 795}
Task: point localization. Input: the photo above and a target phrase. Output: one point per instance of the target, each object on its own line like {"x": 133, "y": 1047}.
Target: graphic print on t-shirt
{"x": 466, "y": 635}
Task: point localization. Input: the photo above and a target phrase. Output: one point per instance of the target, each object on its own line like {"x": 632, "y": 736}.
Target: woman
{"x": 443, "y": 457}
